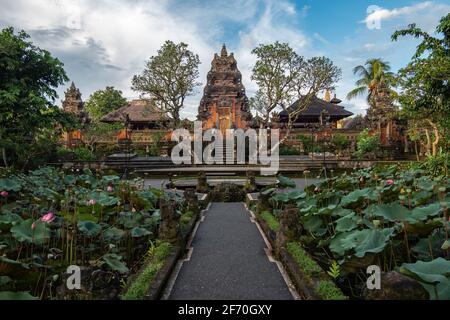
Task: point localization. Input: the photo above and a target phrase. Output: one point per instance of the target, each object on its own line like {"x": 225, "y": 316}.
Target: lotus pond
{"x": 50, "y": 219}
{"x": 393, "y": 218}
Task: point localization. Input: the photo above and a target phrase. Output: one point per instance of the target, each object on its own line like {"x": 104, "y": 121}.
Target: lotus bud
{"x": 33, "y": 226}
{"x": 376, "y": 223}
{"x": 445, "y": 245}
{"x": 4, "y": 194}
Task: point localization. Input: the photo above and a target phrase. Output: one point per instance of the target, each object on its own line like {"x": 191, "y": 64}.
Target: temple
{"x": 224, "y": 104}
{"x": 73, "y": 103}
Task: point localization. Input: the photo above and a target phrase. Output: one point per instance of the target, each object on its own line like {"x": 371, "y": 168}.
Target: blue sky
{"x": 106, "y": 42}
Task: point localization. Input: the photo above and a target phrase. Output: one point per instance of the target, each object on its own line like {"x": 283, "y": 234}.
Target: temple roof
{"x": 138, "y": 111}
{"x": 317, "y": 106}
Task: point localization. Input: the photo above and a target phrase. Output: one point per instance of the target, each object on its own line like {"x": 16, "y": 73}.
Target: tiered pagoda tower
{"x": 224, "y": 104}
{"x": 73, "y": 103}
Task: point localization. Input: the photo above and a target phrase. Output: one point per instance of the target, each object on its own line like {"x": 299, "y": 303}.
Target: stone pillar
{"x": 202, "y": 185}
{"x": 169, "y": 228}
{"x": 192, "y": 201}
{"x": 290, "y": 227}
{"x": 250, "y": 184}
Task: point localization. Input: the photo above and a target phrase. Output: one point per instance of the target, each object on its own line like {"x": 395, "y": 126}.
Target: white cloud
{"x": 380, "y": 14}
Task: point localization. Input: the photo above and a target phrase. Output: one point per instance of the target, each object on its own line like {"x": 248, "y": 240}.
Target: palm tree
{"x": 374, "y": 73}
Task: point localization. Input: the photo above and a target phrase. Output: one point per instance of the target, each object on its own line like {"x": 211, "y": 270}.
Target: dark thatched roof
{"x": 141, "y": 111}
{"x": 335, "y": 111}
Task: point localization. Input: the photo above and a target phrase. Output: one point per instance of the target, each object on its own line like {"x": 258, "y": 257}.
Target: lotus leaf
{"x": 114, "y": 262}
{"x": 23, "y": 232}
{"x": 113, "y": 234}
{"x": 434, "y": 276}
{"x": 21, "y": 295}
{"x": 285, "y": 182}
{"x": 89, "y": 228}
{"x": 10, "y": 184}
{"x": 347, "y": 223}
{"x": 391, "y": 212}
{"x": 425, "y": 212}
{"x": 354, "y": 198}
{"x": 137, "y": 232}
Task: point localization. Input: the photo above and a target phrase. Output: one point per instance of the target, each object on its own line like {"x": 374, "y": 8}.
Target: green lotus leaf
{"x": 433, "y": 243}
{"x": 23, "y": 232}
{"x": 355, "y": 198}
{"x": 391, "y": 212}
{"x": 70, "y": 180}
{"x": 89, "y": 228}
{"x": 115, "y": 263}
{"x": 285, "y": 182}
{"x": 326, "y": 211}
{"x": 268, "y": 191}
{"x": 296, "y": 195}
{"x": 420, "y": 197}
{"x": 281, "y": 197}
{"x": 425, "y": 212}
{"x": 10, "y": 218}
{"x": 21, "y": 295}
{"x": 315, "y": 225}
{"x": 137, "y": 232}
{"x": 434, "y": 276}
{"x": 426, "y": 184}
{"x": 336, "y": 246}
{"x": 347, "y": 223}
{"x": 113, "y": 234}
{"x": 14, "y": 262}
{"x": 110, "y": 178}
{"x": 5, "y": 280}
{"x": 10, "y": 184}
{"x": 362, "y": 241}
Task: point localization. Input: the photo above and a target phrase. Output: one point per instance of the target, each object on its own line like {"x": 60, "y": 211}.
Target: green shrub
{"x": 366, "y": 143}
{"x": 289, "y": 151}
{"x": 327, "y": 290}
{"x": 304, "y": 261}
{"x": 340, "y": 142}
{"x": 156, "y": 258}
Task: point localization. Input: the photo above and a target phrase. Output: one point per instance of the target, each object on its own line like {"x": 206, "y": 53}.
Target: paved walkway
{"x": 229, "y": 261}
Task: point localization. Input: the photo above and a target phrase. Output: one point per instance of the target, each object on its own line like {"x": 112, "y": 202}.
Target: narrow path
{"x": 228, "y": 260}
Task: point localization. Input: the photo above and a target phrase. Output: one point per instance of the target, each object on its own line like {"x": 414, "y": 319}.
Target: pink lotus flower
{"x": 389, "y": 182}
{"x": 110, "y": 189}
{"x": 4, "y": 194}
{"x": 92, "y": 202}
{"x": 33, "y": 226}
{"x": 48, "y": 217}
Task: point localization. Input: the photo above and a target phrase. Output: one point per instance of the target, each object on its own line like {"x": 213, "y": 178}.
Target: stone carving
{"x": 224, "y": 104}
{"x": 169, "y": 228}
{"x": 192, "y": 201}
{"x": 290, "y": 227}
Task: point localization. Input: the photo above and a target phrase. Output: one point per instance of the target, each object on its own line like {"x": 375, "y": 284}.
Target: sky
{"x": 104, "y": 43}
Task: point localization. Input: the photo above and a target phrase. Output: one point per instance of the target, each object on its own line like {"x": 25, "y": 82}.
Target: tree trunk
{"x": 5, "y": 161}
{"x": 436, "y": 137}
{"x": 427, "y": 134}
{"x": 417, "y": 151}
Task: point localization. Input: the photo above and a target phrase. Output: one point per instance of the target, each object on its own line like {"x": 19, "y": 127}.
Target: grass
{"x": 328, "y": 291}
{"x": 155, "y": 260}
{"x": 325, "y": 288}
{"x": 271, "y": 221}
{"x": 304, "y": 261}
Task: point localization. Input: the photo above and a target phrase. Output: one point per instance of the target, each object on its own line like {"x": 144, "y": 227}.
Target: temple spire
{"x": 327, "y": 97}
{"x": 223, "y": 52}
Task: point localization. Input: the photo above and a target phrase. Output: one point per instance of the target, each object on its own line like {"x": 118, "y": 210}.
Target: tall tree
{"x": 424, "y": 82}
{"x": 276, "y": 70}
{"x": 371, "y": 75}
{"x": 283, "y": 77}
{"x": 102, "y": 102}
{"x": 168, "y": 78}
{"x": 29, "y": 77}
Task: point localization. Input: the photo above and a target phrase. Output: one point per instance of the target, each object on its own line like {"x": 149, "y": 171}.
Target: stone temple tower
{"x": 224, "y": 104}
